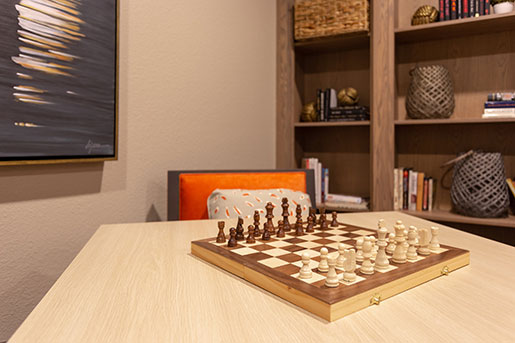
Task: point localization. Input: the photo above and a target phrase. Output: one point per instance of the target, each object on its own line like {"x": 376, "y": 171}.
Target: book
{"x": 476, "y": 8}
{"x": 454, "y": 8}
{"x": 413, "y": 177}
{"x": 333, "y": 98}
{"x": 344, "y": 198}
{"x": 459, "y": 9}
{"x": 430, "y": 194}
{"x": 405, "y": 189}
{"x": 497, "y": 115}
{"x": 318, "y": 189}
{"x": 465, "y": 9}
{"x": 319, "y": 104}
{"x": 420, "y": 191}
{"x": 447, "y": 9}
{"x": 327, "y": 94}
{"x": 501, "y": 96}
{"x": 322, "y": 105}
{"x": 400, "y": 187}
{"x": 481, "y": 7}
{"x": 396, "y": 189}
{"x": 346, "y": 206}
{"x": 508, "y": 110}
{"x": 487, "y": 7}
{"x": 472, "y": 8}
{"x": 325, "y": 183}
{"x": 441, "y": 10}
{"x": 499, "y": 104}
{"x": 343, "y": 110}
{"x": 426, "y": 194}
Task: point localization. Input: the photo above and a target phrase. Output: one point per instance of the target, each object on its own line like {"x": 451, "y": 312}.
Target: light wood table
{"x": 139, "y": 283}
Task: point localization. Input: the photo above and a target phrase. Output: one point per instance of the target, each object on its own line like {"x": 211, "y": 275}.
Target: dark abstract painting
{"x": 57, "y": 80}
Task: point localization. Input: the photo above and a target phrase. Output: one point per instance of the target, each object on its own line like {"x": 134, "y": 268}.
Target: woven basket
{"x": 479, "y": 186}
{"x": 320, "y": 18}
{"x": 430, "y": 93}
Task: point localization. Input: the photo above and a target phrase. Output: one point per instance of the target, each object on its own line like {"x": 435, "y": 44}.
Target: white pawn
{"x": 434, "y": 246}
{"x": 349, "y": 265}
{"x": 332, "y": 277}
{"x": 323, "y": 266}
{"x": 374, "y": 247}
{"x": 405, "y": 244}
{"x": 391, "y": 243}
{"x": 359, "y": 249}
{"x": 411, "y": 254}
{"x": 305, "y": 271}
{"x": 341, "y": 258}
{"x": 424, "y": 242}
{"x": 381, "y": 223}
{"x": 381, "y": 262}
{"x": 367, "y": 267}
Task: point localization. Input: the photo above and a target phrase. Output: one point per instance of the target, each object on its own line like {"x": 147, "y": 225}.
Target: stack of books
{"x": 328, "y": 110}
{"x": 457, "y": 9}
{"x": 500, "y": 105}
{"x": 413, "y": 190}
{"x": 340, "y": 202}
{"x": 321, "y": 178}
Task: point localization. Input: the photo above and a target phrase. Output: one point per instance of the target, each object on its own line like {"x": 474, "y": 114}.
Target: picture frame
{"x": 59, "y": 82}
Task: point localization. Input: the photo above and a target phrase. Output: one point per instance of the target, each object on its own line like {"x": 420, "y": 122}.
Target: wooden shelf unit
{"x": 478, "y": 52}
{"x": 449, "y": 217}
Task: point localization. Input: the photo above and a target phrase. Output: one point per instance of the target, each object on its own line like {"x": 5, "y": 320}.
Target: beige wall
{"x": 197, "y": 90}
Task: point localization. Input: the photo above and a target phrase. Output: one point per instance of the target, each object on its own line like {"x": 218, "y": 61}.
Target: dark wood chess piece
{"x": 285, "y": 214}
{"x": 239, "y": 230}
{"x": 221, "y": 235}
{"x": 266, "y": 233}
{"x": 313, "y": 214}
{"x": 322, "y": 212}
{"x": 299, "y": 229}
{"x": 269, "y": 216}
{"x": 250, "y": 237}
{"x": 257, "y": 232}
{"x": 311, "y": 225}
{"x": 323, "y": 222}
{"x": 280, "y": 230}
{"x": 232, "y": 240}
{"x": 334, "y": 222}
{"x": 298, "y": 210}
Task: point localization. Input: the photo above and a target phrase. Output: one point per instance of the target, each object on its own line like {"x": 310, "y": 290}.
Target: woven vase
{"x": 479, "y": 186}
{"x": 430, "y": 93}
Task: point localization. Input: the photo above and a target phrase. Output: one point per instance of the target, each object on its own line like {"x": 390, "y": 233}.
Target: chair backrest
{"x": 188, "y": 190}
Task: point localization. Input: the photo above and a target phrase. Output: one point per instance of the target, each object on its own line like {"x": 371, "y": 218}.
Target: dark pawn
{"x": 250, "y": 237}
{"x": 257, "y": 232}
{"x": 323, "y": 222}
{"x": 322, "y": 213}
{"x": 313, "y": 214}
{"x": 232, "y": 241}
{"x": 266, "y": 233}
{"x": 239, "y": 230}
{"x": 280, "y": 230}
{"x": 334, "y": 222}
{"x": 285, "y": 214}
{"x": 221, "y": 235}
{"x": 311, "y": 225}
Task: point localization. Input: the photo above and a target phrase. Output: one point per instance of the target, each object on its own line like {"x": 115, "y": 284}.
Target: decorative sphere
{"x": 348, "y": 96}
{"x": 309, "y": 112}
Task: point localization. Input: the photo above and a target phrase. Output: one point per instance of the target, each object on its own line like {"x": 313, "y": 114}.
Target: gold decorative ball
{"x": 348, "y": 96}
{"x": 424, "y": 15}
{"x": 309, "y": 112}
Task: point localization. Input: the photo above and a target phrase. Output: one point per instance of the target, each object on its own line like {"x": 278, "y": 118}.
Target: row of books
{"x": 328, "y": 110}
{"x": 413, "y": 190}
{"x": 457, "y": 9}
{"x": 321, "y": 178}
{"x": 500, "y": 105}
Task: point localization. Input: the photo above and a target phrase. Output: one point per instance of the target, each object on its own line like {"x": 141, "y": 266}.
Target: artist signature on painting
{"x": 90, "y": 146}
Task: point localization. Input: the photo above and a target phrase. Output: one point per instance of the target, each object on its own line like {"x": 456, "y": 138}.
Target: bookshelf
{"x": 480, "y": 55}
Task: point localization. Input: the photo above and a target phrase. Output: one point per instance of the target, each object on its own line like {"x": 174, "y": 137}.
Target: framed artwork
{"x": 58, "y": 81}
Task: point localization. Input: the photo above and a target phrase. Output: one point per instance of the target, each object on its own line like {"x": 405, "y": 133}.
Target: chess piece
{"x": 399, "y": 255}
{"x": 313, "y": 214}
{"x": 280, "y": 229}
{"x": 367, "y": 267}
{"x": 305, "y": 270}
{"x": 405, "y": 245}
{"x": 323, "y": 222}
{"x": 257, "y": 232}
{"x": 349, "y": 265}
{"x": 285, "y": 214}
{"x": 341, "y": 259}
{"x": 424, "y": 242}
{"x": 239, "y": 230}
{"x": 322, "y": 212}
{"x": 411, "y": 254}
{"x": 221, "y": 235}
{"x": 374, "y": 247}
{"x": 434, "y": 245}
{"x": 232, "y": 240}
{"x": 311, "y": 225}
{"x": 332, "y": 277}
{"x": 299, "y": 229}
{"x": 381, "y": 262}
{"x": 359, "y": 249}
{"x": 381, "y": 223}
{"x": 269, "y": 216}
{"x": 334, "y": 221}
{"x": 266, "y": 232}
{"x": 391, "y": 243}
{"x": 323, "y": 266}
{"x": 250, "y": 237}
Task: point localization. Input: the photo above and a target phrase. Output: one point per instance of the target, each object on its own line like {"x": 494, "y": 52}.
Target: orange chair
{"x": 188, "y": 190}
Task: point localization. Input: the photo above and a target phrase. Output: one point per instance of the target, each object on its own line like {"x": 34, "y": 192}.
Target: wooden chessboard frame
{"x": 333, "y": 303}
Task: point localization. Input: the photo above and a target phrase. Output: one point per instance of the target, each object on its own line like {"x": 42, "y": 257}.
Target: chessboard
{"x": 274, "y": 265}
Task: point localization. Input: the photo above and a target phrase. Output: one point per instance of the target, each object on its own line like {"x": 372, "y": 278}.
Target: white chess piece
{"x": 374, "y": 247}
{"x": 305, "y": 270}
{"x": 381, "y": 223}
{"x": 391, "y": 243}
{"x": 424, "y": 242}
{"x": 381, "y": 262}
{"x": 399, "y": 255}
{"x": 323, "y": 266}
{"x": 359, "y": 249}
{"x": 411, "y": 254}
{"x": 367, "y": 267}
{"x": 349, "y": 266}
{"x": 405, "y": 244}
{"x": 341, "y": 258}
{"x": 332, "y": 277}
{"x": 434, "y": 245}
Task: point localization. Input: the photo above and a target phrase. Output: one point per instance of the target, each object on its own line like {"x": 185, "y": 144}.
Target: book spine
{"x": 327, "y": 96}
{"x": 322, "y": 105}
{"x": 481, "y": 7}
{"x": 430, "y": 195}
{"x": 344, "y": 198}
{"x": 319, "y": 104}
{"x": 412, "y": 191}
{"x": 447, "y": 9}
{"x": 465, "y": 9}
{"x": 395, "y": 189}
{"x": 326, "y": 184}
{"x": 441, "y": 10}
{"x": 487, "y": 7}
{"x": 453, "y": 10}
{"x": 426, "y": 195}
{"x": 420, "y": 191}
{"x": 459, "y": 9}
{"x": 319, "y": 174}
{"x": 472, "y": 8}
{"x": 400, "y": 190}
{"x": 476, "y": 8}
{"x": 509, "y": 110}
{"x": 322, "y": 188}
{"x": 405, "y": 189}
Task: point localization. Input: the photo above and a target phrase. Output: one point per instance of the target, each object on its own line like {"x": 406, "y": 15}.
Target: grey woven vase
{"x": 479, "y": 186}
{"x": 430, "y": 93}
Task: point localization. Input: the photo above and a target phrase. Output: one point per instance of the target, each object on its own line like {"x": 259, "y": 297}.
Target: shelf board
{"x": 456, "y": 28}
{"x": 334, "y": 123}
{"x": 447, "y": 216}
{"x": 356, "y": 40}
{"x": 454, "y": 121}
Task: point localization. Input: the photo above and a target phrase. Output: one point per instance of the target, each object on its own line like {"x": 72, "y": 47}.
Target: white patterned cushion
{"x": 232, "y": 203}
